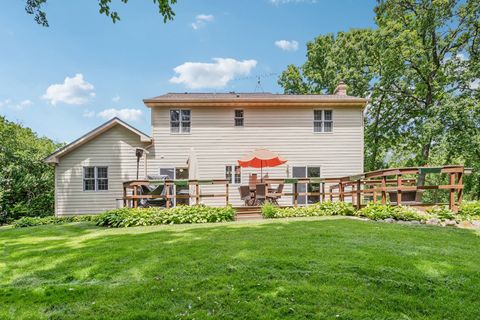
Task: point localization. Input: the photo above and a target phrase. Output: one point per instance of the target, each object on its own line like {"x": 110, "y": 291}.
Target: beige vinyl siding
{"x": 114, "y": 149}
{"x": 287, "y": 131}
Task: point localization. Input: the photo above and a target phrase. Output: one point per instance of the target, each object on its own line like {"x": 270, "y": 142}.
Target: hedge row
{"x": 467, "y": 211}
{"x": 40, "y": 221}
{"x": 127, "y": 217}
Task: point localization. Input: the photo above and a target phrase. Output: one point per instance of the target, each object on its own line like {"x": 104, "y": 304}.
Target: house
{"x": 318, "y": 135}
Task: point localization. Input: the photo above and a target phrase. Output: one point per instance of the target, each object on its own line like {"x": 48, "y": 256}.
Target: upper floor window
{"x": 238, "y": 118}
{"x": 233, "y": 174}
{"x": 180, "y": 121}
{"x": 322, "y": 120}
{"x": 95, "y": 178}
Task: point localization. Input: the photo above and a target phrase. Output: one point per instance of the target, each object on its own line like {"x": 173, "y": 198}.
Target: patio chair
{"x": 260, "y": 194}
{"x": 277, "y": 194}
{"x": 246, "y": 195}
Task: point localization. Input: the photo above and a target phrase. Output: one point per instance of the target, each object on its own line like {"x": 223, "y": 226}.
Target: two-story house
{"x": 318, "y": 135}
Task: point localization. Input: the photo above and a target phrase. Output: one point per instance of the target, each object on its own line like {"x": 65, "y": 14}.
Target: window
{"x": 238, "y": 118}
{"x": 180, "y": 121}
{"x": 322, "y": 120}
{"x": 233, "y": 174}
{"x": 95, "y": 178}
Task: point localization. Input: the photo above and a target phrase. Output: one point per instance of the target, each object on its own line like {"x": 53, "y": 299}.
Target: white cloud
{"x": 8, "y": 103}
{"x": 72, "y": 91}
{"x": 88, "y": 114}
{"x": 124, "y": 114}
{"x": 201, "y": 20}
{"x": 196, "y": 75}
{"x": 475, "y": 84}
{"x": 116, "y": 99}
{"x": 287, "y": 45}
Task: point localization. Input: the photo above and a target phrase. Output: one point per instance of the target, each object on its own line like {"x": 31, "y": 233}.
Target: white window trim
{"x": 323, "y": 121}
{"x": 180, "y": 122}
{"x": 232, "y": 166}
{"x": 235, "y": 118}
{"x": 95, "y": 179}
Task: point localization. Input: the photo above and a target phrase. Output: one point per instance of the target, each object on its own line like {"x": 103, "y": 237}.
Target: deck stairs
{"x": 248, "y": 213}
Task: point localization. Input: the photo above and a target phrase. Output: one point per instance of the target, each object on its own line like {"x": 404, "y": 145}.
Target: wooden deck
{"x": 374, "y": 186}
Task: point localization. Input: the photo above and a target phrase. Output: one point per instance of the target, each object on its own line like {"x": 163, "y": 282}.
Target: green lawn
{"x": 305, "y": 268}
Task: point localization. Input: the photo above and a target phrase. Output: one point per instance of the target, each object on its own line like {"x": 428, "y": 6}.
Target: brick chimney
{"x": 341, "y": 89}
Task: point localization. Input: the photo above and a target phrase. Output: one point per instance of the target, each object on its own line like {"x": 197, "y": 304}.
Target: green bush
{"x": 442, "y": 213}
{"x": 380, "y": 212}
{"x": 319, "y": 209}
{"x": 470, "y": 209}
{"x": 129, "y": 217}
{"x": 40, "y": 221}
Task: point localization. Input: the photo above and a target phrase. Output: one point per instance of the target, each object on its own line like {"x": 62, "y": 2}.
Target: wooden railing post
{"x": 451, "y": 200}
{"x": 399, "y": 191}
{"x": 331, "y": 193}
{"x": 384, "y": 189}
{"x": 226, "y": 192}
{"x": 295, "y": 194}
{"x": 323, "y": 191}
{"x": 341, "y": 189}
{"x": 135, "y": 200}
{"x": 460, "y": 191}
{"x": 167, "y": 195}
{"x": 124, "y": 196}
{"x": 197, "y": 193}
{"x": 359, "y": 197}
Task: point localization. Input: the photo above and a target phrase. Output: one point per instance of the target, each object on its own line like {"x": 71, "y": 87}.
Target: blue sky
{"x": 64, "y": 80}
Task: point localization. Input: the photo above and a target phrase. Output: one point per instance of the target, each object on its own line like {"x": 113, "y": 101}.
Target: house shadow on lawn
{"x": 311, "y": 266}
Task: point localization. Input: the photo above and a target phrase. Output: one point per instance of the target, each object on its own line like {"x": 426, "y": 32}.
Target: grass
{"x": 333, "y": 268}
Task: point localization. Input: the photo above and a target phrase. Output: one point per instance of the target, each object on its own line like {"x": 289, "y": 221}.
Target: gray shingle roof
{"x": 171, "y": 97}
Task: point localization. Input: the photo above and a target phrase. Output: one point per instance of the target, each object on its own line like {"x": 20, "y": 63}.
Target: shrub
{"x": 319, "y": 209}
{"x": 40, "y": 221}
{"x": 129, "y": 217}
{"x": 470, "y": 209}
{"x": 442, "y": 213}
{"x": 380, "y": 212}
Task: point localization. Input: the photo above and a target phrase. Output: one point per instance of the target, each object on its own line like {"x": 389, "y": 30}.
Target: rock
{"x": 389, "y": 220}
{"x": 414, "y": 222}
{"x": 450, "y": 223}
{"x": 465, "y": 224}
{"x": 433, "y": 221}
{"x": 403, "y": 222}
{"x": 476, "y": 223}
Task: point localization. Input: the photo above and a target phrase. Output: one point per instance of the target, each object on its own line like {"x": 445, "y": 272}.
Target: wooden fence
{"x": 397, "y": 183}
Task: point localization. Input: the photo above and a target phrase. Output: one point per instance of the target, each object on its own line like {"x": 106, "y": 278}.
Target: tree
{"x": 35, "y": 7}
{"x": 419, "y": 67}
{"x": 26, "y": 182}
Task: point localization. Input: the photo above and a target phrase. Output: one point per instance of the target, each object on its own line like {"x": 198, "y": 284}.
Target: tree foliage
{"x": 26, "y": 182}
{"x": 420, "y": 68}
{"x": 36, "y": 8}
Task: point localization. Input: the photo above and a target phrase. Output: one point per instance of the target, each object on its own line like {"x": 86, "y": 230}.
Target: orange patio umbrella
{"x": 261, "y": 158}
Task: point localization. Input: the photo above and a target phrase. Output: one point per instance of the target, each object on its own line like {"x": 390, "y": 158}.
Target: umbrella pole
{"x": 261, "y": 170}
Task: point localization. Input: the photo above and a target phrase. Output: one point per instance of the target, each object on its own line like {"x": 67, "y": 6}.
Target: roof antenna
{"x": 259, "y": 85}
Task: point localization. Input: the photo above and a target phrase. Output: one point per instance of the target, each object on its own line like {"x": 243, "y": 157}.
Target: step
{"x": 248, "y": 216}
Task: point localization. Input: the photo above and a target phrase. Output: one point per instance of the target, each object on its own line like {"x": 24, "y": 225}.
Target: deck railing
{"x": 370, "y": 186}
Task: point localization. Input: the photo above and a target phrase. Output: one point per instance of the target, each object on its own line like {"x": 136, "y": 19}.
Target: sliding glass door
{"x": 177, "y": 173}
{"x": 307, "y": 172}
